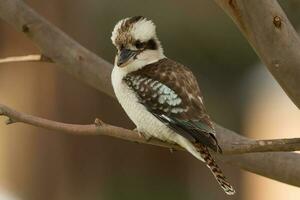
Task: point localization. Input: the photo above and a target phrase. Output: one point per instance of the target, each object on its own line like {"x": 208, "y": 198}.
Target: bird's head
{"x": 137, "y": 44}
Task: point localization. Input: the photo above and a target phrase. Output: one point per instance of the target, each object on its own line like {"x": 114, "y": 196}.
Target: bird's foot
{"x": 143, "y": 135}
{"x": 98, "y": 122}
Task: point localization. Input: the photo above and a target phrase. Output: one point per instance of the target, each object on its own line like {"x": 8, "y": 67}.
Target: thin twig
{"x": 101, "y": 128}
{"x": 28, "y": 58}
{"x": 98, "y": 128}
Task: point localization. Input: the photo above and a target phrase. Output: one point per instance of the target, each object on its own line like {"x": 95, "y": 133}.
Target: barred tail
{"x": 215, "y": 170}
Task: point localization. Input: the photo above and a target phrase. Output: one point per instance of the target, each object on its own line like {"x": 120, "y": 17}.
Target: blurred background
{"x": 240, "y": 94}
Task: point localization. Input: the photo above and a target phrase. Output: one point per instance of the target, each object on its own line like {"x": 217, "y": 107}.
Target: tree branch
{"x": 93, "y": 70}
{"x": 98, "y": 128}
{"x": 275, "y": 145}
{"x": 101, "y": 128}
{"x": 269, "y": 31}
{"x": 28, "y": 58}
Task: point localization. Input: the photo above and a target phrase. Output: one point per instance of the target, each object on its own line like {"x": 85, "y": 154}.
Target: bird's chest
{"x": 137, "y": 112}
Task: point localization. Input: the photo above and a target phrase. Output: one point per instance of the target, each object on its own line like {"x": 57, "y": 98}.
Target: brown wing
{"x": 170, "y": 92}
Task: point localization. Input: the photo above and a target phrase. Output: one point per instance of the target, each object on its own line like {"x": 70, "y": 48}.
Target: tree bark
{"x": 270, "y": 33}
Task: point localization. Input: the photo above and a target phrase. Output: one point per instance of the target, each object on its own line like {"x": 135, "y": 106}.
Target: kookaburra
{"x": 161, "y": 96}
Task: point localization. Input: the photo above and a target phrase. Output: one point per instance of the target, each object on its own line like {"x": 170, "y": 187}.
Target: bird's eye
{"x": 138, "y": 44}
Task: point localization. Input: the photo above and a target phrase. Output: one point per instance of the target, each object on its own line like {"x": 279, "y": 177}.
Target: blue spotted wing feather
{"x": 171, "y": 93}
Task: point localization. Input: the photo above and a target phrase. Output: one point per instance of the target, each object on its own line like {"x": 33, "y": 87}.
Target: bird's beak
{"x": 125, "y": 56}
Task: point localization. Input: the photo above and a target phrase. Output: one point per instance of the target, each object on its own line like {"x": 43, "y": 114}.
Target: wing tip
{"x": 219, "y": 149}
{"x": 215, "y": 145}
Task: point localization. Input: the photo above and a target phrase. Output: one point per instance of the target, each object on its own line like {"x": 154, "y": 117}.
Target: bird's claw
{"x": 98, "y": 122}
{"x": 143, "y": 135}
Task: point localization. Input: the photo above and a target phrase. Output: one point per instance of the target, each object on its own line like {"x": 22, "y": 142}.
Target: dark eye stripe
{"x": 151, "y": 44}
